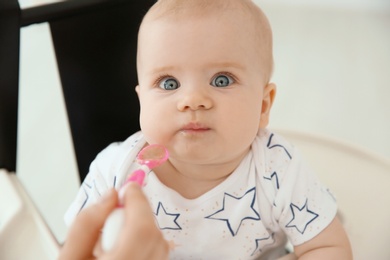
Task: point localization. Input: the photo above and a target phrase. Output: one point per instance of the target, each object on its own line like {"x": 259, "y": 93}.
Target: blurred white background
{"x": 332, "y": 68}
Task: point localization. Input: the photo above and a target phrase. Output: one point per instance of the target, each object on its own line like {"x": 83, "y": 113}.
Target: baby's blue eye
{"x": 169, "y": 84}
{"x": 222, "y": 81}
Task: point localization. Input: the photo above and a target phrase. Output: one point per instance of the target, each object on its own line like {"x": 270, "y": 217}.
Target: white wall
{"x": 332, "y": 71}
{"x": 345, "y": 4}
{"x": 45, "y": 164}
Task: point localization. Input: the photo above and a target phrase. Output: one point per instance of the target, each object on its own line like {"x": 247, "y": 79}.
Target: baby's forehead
{"x": 241, "y": 11}
{"x": 244, "y": 13}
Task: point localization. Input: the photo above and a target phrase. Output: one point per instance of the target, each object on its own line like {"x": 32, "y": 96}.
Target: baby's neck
{"x": 192, "y": 188}
{"x": 192, "y": 181}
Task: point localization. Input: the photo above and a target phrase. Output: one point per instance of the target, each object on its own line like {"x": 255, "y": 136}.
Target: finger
{"x": 85, "y": 230}
{"x": 141, "y": 217}
{"x": 140, "y": 235}
{"x": 137, "y": 206}
{"x": 157, "y": 248}
{"x": 134, "y": 196}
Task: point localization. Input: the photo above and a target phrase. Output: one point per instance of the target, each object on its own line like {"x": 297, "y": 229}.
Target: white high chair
{"x": 361, "y": 184}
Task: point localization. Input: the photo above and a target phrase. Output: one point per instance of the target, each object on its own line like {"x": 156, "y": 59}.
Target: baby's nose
{"x": 194, "y": 99}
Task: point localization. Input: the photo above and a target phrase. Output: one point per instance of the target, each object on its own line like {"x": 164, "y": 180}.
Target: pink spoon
{"x": 149, "y": 157}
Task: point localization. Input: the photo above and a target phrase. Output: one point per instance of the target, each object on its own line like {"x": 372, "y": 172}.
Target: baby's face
{"x": 200, "y": 89}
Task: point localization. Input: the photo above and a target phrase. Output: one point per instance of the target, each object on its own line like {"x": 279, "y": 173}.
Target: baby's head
{"x": 203, "y": 69}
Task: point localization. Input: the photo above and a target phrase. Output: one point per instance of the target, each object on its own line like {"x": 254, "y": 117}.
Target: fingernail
{"x": 122, "y": 191}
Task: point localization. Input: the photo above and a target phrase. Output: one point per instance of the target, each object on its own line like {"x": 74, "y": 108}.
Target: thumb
{"x": 85, "y": 230}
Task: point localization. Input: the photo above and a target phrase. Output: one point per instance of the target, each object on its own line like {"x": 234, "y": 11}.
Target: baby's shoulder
{"x": 275, "y": 148}
{"x": 116, "y": 152}
{"x": 273, "y": 141}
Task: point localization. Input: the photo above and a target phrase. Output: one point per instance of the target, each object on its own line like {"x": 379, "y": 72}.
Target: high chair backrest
{"x": 95, "y": 44}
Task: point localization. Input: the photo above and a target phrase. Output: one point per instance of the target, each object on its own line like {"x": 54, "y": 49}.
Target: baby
{"x": 231, "y": 189}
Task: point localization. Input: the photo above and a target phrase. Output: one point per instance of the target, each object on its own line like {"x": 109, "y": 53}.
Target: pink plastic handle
{"x": 138, "y": 176}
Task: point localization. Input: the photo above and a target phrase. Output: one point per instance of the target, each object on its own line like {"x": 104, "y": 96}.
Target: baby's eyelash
{"x": 227, "y": 74}
{"x": 160, "y": 78}
{"x": 164, "y": 76}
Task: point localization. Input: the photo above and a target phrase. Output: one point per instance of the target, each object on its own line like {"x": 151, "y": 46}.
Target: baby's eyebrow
{"x": 227, "y": 64}
{"x": 161, "y": 69}
{"x": 217, "y": 64}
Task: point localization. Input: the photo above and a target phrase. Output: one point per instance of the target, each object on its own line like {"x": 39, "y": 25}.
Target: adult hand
{"x": 139, "y": 239}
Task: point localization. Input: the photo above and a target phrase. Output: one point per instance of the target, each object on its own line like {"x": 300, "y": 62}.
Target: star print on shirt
{"x": 263, "y": 242}
{"x": 273, "y": 178}
{"x": 87, "y": 189}
{"x": 166, "y": 220}
{"x": 237, "y": 209}
{"x": 270, "y": 145}
{"x": 85, "y": 200}
{"x": 301, "y": 217}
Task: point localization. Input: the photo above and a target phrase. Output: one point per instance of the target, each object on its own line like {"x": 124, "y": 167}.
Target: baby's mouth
{"x": 195, "y": 127}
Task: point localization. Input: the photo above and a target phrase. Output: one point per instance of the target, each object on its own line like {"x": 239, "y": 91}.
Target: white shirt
{"x": 271, "y": 196}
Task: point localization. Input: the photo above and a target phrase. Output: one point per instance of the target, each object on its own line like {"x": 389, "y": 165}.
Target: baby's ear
{"x": 269, "y": 93}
